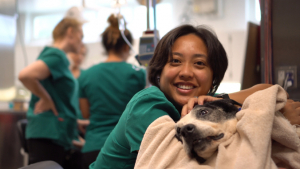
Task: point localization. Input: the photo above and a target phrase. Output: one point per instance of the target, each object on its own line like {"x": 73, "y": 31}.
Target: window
{"x": 134, "y": 14}
{"x": 97, "y": 22}
{"x": 229, "y": 87}
{"x": 8, "y": 29}
{"x": 257, "y": 11}
{"x": 43, "y": 25}
{"x": 137, "y": 19}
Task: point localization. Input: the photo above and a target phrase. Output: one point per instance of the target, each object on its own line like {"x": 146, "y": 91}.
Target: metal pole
{"x": 154, "y": 17}
{"x": 154, "y": 13}
{"x": 148, "y": 14}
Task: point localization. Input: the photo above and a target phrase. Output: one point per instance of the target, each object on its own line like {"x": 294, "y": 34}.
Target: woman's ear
{"x": 158, "y": 80}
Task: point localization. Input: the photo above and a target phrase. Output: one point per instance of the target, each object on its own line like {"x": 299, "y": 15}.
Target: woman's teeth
{"x": 186, "y": 87}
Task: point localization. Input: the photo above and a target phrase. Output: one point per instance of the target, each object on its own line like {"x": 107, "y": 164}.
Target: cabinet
{"x": 280, "y": 43}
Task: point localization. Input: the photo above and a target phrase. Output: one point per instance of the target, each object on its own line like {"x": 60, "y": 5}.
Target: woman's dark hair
{"x": 217, "y": 58}
{"x": 112, "y": 38}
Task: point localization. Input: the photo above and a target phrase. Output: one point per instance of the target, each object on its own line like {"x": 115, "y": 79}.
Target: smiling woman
{"x": 184, "y": 65}
{"x": 188, "y": 61}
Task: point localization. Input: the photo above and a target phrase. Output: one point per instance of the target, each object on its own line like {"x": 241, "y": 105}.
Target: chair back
{"x": 21, "y": 124}
{"x": 43, "y": 165}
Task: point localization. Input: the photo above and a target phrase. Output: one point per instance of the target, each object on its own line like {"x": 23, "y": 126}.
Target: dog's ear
{"x": 228, "y": 105}
{"x": 233, "y": 102}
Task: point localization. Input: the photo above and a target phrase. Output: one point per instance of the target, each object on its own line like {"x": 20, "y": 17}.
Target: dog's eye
{"x": 203, "y": 112}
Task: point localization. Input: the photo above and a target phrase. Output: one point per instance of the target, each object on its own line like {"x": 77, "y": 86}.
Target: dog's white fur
{"x": 207, "y": 128}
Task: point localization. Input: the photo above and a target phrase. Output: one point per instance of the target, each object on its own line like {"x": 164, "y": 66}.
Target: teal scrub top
{"x": 63, "y": 89}
{"x": 108, "y": 87}
{"x": 119, "y": 150}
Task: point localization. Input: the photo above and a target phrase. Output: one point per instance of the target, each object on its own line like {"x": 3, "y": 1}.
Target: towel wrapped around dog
{"x": 264, "y": 139}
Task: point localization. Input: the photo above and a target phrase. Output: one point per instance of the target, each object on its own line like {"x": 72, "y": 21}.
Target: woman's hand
{"x": 45, "y": 104}
{"x": 31, "y": 76}
{"x": 291, "y": 111}
{"x": 82, "y": 124}
{"x": 78, "y": 143}
{"x": 193, "y": 101}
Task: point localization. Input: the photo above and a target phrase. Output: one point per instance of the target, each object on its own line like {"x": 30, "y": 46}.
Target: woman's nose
{"x": 186, "y": 71}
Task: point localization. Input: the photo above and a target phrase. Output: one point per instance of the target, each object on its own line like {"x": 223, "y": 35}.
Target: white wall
{"x": 231, "y": 28}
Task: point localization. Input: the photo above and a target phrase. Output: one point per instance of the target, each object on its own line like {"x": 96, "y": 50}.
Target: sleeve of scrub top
{"x": 143, "y": 113}
{"x": 56, "y": 65}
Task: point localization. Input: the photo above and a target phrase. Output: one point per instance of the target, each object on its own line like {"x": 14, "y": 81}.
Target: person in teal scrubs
{"x": 54, "y": 102}
{"x": 188, "y": 65}
{"x": 106, "y": 88}
{"x": 76, "y": 60}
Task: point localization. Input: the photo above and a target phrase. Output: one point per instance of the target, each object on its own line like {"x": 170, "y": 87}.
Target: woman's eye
{"x": 203, "y": 112}
{"x": 175, "y": 61}
{"x": 200, "y": 63}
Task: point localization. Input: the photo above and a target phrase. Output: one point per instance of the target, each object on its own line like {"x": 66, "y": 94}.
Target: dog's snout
{"x": 187, "y": 130}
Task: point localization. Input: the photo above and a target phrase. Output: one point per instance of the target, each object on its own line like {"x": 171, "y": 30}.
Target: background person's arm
{"x": 30, "y": 77}
{"x": 84, "y": 107}
{"x": 291, "y": 111}
{"x": 82, "y": 124}
{"x": 240, "y": 96}
{"x": 80, "y": 143}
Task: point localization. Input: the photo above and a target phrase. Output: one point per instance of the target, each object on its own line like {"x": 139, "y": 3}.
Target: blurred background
{"x": 31, "y": 22}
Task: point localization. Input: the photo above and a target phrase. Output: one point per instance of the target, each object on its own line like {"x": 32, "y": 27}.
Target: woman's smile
{"x": 185, "y": 88}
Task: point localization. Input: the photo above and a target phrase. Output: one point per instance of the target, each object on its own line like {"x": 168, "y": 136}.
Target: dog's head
{"x": 206, "y": 126}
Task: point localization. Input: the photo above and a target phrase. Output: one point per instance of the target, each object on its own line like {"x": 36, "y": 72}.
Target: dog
{"x": 206, "y": 126}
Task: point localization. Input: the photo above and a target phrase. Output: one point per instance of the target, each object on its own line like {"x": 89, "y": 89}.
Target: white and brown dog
{"x": 206, "y": 126}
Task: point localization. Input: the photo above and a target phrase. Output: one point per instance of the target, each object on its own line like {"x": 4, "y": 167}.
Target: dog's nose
{"x": 187, "y": 130}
